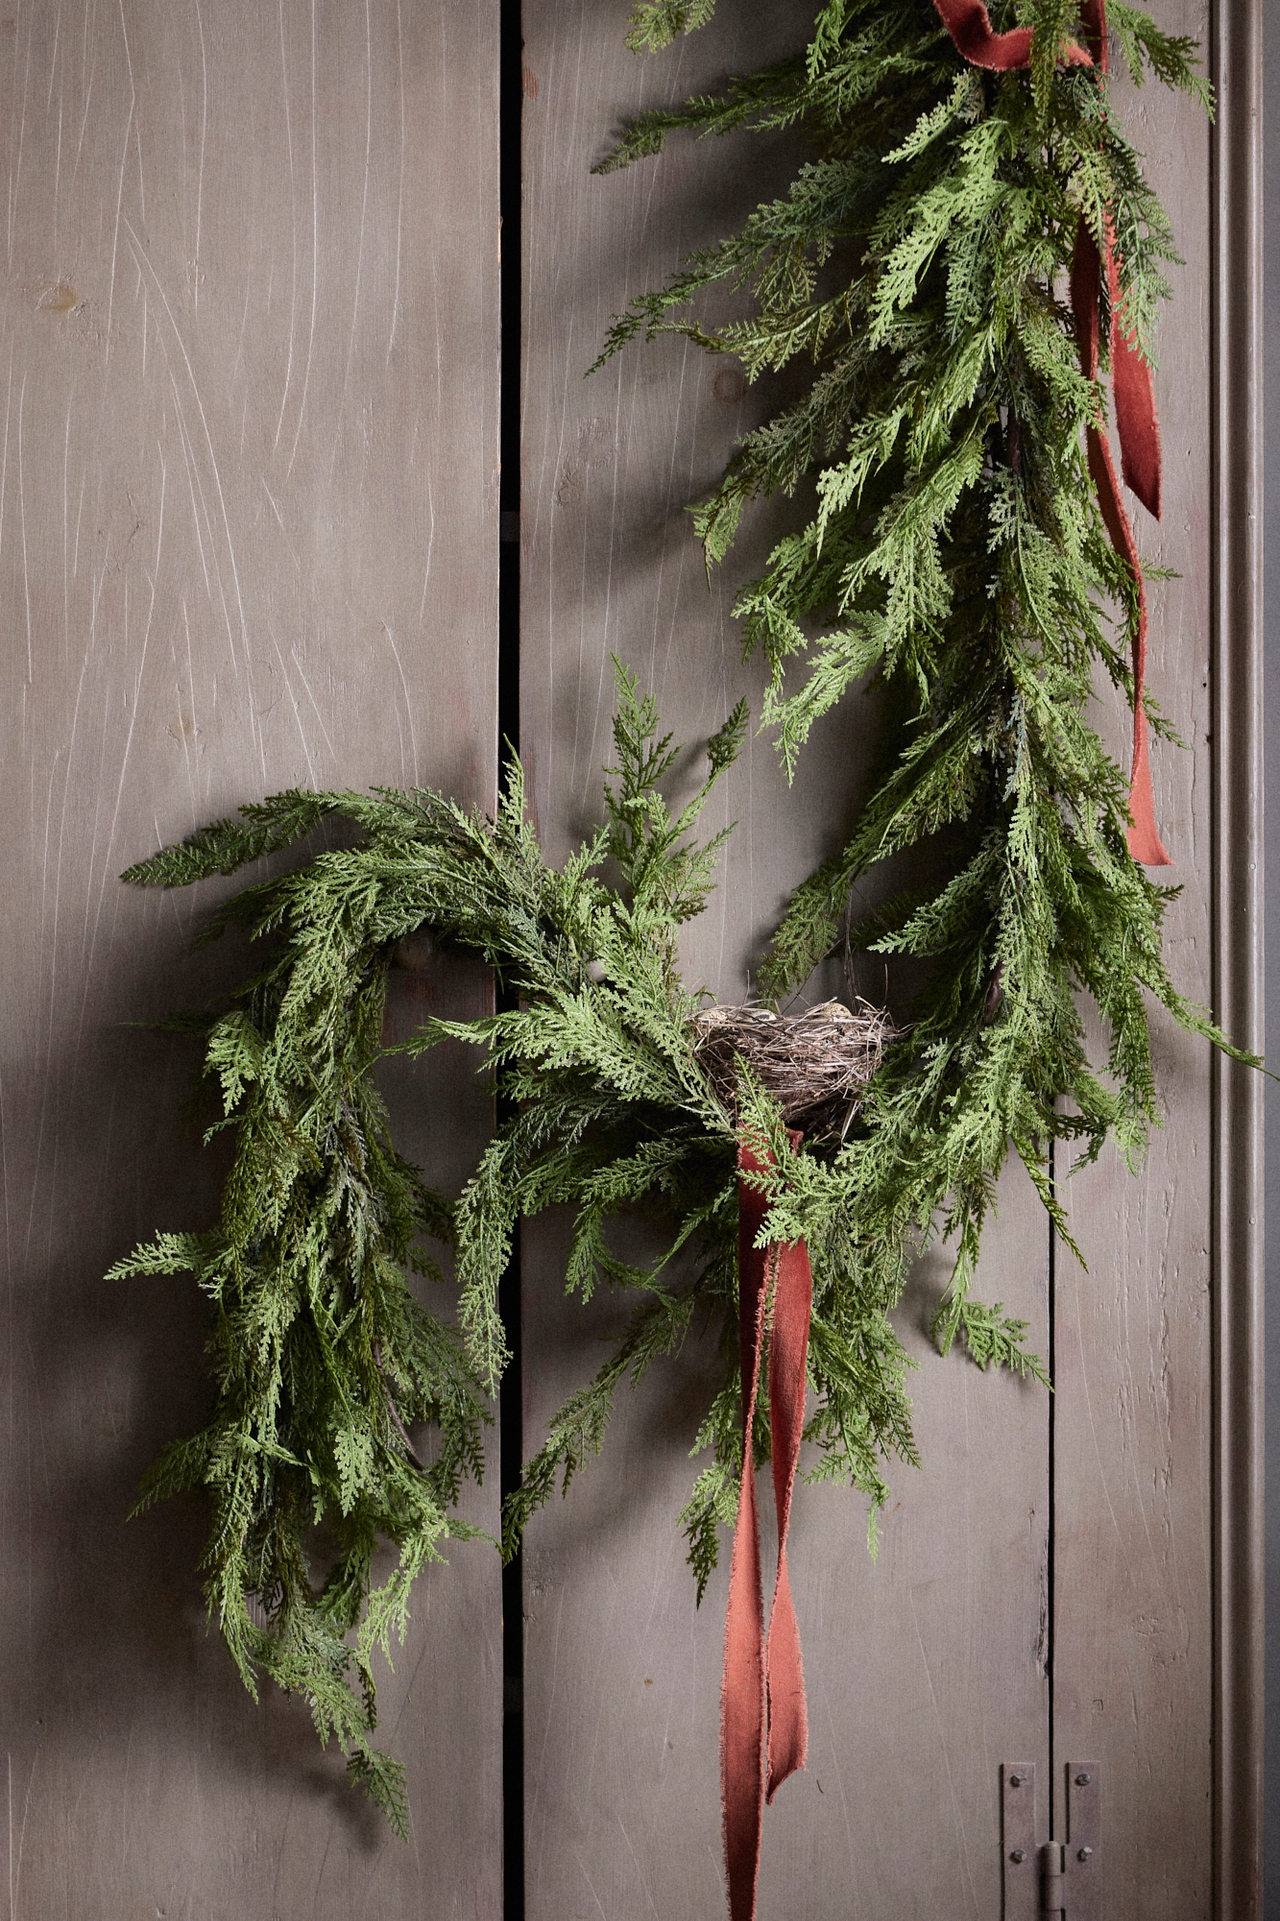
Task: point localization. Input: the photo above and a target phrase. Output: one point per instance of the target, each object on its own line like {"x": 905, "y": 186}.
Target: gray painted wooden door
{"x": 1045, "y": 1589}
{"x": 248, "y": 538}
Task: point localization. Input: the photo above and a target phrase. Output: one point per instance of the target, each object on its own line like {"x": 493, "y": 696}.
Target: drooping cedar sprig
{"x": 913, "y": 280}
{"x": 321, "y": 1354}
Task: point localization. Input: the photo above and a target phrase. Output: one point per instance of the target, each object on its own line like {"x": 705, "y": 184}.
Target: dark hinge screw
{"x": 1083, "y": 1780}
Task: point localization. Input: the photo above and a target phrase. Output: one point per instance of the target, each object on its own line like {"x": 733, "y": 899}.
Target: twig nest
{"x": 815, "y": 1064}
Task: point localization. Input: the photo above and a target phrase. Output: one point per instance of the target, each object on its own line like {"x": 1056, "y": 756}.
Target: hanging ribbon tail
{"x": 1093, "y": 18}
{"x": 1144, "y": 840}
{"x": 1086, "y": 295}
{"x": 1131, "y": 382}
{"x": 1141, "y": 448}
{"x": 762, "y": 1688}
{"x": 788, "y": 1354}
{"x": 742, "y": 1695}
{"x": 1136, "y": 422}
{"x": 969, "y": 24}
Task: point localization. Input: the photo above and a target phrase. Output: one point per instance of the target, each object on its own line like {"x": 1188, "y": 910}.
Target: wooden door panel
{"x": 926, "y": 1669}
{"x": 247, "y": 539}
{"x": 1134, "y": 1492}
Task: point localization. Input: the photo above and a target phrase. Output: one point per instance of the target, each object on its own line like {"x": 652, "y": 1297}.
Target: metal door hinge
{"x": 1062, "y": 1878}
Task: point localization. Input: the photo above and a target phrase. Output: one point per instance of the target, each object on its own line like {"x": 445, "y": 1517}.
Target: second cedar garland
{"x": 965, "y": 174}
{"x": 916, "y": 278}
{"x": 918, "y": 274}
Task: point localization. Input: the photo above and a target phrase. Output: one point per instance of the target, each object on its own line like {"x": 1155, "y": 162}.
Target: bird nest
{"x": 815, "y": 1064}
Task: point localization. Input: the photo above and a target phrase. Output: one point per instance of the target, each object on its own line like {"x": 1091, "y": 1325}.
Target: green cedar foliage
{"x": 321, "y": 1354}
{"x": 322, "y": 1357}
{"x": 913, "y": 281}
{"x": 954, "y": 543}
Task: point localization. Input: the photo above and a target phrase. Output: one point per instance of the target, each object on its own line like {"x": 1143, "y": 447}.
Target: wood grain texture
{"x": 1238, "y": 1115}
{"x": 1133, "y": 1493}
{"x": 247, "y": 538}
{"x": 925, "y": 1670}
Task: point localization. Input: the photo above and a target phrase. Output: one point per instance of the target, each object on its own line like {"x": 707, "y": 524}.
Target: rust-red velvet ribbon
{"x": 764, "y": 1724}
{"x": 969, "y": 24}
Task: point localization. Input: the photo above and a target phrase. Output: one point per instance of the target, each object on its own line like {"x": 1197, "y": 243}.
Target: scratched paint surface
{"x": 247, "y": 539}
{"x": 925, "y": 1669}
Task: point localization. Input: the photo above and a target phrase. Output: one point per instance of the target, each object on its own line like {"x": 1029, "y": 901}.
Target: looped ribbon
{"x": 969, "y": 24}
{"x": 764, "y": 1723}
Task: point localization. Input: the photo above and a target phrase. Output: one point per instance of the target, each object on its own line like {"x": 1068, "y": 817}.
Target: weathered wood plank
{"x": 925, "y": 1670}
{"x": 1132, "y": 1621}
{"x": 247, "y": 539}
{"x": 1238, "y": 676}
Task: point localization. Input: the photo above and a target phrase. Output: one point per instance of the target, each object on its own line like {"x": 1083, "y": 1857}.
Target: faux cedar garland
{"x": 958, "y": 539}
{"x": 766, "y": 1689}
{"x": 323, "y": 1358}
{"x": 965, "y": 525}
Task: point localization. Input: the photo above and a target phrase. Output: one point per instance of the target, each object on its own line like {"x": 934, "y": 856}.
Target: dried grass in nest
{"x": 815, "y": 1064}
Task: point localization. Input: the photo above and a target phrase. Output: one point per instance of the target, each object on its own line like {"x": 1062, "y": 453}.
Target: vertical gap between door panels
{"x": 1051, "y": 1532}
{"x": 511, "y": 85}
